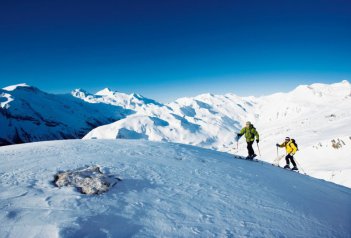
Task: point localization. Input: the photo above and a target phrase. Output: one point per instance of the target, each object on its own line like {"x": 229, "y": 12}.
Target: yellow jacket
{"x": 289, "y": 147}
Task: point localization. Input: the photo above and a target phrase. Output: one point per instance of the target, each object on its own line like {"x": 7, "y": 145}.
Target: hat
{"x": 248, "y": 123}
{"x": 287, "y": 138}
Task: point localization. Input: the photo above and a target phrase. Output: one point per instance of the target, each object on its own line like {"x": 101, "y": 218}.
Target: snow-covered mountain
{"x": 315, "y": 115}
{"x": 189, "y": 121}
{"x": 214, "y": 119}
{"x": 167, "y": 190}
{"x": 28, "y": 114}
{"x": 318, "y": 116}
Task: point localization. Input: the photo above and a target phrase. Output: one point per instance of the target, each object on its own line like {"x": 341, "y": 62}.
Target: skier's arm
{"x": 238, "y": 135}
{"x": 242, "y": 132}
{"x": 280, "y": 145}
{"x": 257, "y": 136}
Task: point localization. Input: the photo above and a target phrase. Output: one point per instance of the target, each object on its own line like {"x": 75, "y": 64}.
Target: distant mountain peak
{"x": 80, "y": 90}
{"x": 14, "y": 87}
{"x": 80, "y": 93}
{"x": 105, "y": 92}
{"x": 137, "y": 96}
{"x": 345, "y": 82}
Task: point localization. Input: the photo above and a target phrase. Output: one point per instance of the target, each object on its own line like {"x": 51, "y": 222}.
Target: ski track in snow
{"x": 167, "y": 190}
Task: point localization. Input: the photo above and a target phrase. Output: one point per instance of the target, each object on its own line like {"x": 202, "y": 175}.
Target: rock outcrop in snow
{"x": 88, "y": 180}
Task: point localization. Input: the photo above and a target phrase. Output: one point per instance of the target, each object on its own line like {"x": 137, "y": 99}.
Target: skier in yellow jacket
{"x": 291, "y": 149}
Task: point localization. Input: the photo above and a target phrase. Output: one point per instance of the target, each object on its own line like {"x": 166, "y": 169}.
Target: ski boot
{"x": 251, "y": 157}
{"x": 294, "y": 168}
{"x": 287, "y": 167}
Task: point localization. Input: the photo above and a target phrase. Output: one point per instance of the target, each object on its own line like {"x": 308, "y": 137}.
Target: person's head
{"x": 287, "y": 139}
{"x": 248, "y": 124}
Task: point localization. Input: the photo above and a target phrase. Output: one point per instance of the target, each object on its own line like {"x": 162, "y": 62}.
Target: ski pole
{"x": 298, "y": 164}
{"x": 277, "y": 152}
{"x": 259, "y": 152}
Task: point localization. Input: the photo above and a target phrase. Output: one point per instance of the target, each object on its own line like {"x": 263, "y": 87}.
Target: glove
{"x": 237, "y": 137}
{"x": 277, "y": 145}
{"x": 257, "y": 140}
{"x": 291, "y": 154}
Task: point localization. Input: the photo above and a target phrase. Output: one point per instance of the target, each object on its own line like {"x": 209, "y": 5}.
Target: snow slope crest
{"x": 336, "y": 90}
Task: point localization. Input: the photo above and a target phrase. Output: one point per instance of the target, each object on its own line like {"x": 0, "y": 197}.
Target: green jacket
{"x": 249, "y": 133}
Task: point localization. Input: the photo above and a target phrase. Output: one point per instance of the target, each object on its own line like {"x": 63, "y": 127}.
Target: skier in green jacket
{"x": 250, "y": 133}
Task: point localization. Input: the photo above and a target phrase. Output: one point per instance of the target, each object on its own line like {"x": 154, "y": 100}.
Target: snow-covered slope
{"x": 315, "y": 115}
{"x": 28, "y": 114}
{"x": 167, "y": 190}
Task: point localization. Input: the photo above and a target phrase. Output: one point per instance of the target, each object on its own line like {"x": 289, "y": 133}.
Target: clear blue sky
{"x": 168, "y": 49}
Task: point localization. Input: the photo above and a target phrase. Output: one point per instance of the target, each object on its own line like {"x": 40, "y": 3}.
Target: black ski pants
{"x": 291, "y": 158}
{"x": 249, "y": 148}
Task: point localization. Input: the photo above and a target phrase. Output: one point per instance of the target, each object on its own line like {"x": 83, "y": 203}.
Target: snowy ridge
{"x": 28, "y": 114}
{"x": 167, "y": 190}
{"x": 129, "y": 101}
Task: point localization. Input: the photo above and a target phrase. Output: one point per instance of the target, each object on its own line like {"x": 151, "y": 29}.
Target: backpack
{"x": 295, "y": 144}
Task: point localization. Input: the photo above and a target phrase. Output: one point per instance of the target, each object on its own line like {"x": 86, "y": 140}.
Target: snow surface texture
{"x": 168, "y": 190}
{"x": 318, "y": 116}
{"x": 28, "y": 114}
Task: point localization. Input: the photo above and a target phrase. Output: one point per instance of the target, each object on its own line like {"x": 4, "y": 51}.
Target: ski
{"x": 297, "y": 171}
{"x": 245, "y": 158}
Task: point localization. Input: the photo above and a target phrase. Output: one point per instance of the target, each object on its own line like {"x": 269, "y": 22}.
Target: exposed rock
{"x": 88, "y": 180}
{"x": 337, "y": 144}
{"x": 330, "y": 116}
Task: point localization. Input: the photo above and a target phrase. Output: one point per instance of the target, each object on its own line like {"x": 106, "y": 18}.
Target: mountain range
{"x": 317, "y": 116}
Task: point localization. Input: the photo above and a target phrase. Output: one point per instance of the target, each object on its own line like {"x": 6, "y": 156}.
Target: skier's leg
{"x": 250, "y": 150}
{"x": 293, "y": 162}
{"x": 287, "y": 162}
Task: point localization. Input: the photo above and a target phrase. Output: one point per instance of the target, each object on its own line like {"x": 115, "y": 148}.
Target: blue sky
{"x": 165, "y": 50}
